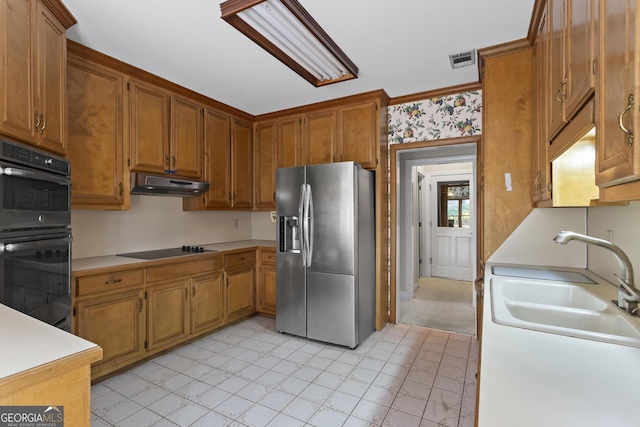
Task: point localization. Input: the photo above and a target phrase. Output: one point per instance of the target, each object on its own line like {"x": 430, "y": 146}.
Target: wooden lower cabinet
{"x": 167, "y": 313}
{"x": 137, "y": 312}
{"x": 240, "y": 292}
{"x": 266, "y": 286}
{"x": 207, "y": 301}
{"x": 116, "y": 322}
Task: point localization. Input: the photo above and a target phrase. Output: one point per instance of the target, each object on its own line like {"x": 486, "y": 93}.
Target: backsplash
{"x": 532, "y": 241}
{"x": 623, "y": 223}
{"x": 154, "y": 223}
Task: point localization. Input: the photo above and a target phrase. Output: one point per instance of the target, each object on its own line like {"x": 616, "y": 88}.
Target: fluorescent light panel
{"x": 287, "y": 31}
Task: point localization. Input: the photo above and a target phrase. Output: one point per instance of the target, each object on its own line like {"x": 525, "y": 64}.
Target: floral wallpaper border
{"x": 449, "y": 116}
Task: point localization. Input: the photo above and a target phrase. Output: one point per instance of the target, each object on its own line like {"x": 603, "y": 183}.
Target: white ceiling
{"x": 401, "y": 46}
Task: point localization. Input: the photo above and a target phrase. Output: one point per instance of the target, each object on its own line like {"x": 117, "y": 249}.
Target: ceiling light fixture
{"x": 287, "y": 31}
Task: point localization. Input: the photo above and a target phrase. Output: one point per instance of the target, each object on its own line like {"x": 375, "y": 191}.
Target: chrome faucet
{"x": 628, "y": 294}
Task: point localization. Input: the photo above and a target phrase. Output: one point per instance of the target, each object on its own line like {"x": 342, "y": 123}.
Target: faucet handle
{"x": 630, "y": 289}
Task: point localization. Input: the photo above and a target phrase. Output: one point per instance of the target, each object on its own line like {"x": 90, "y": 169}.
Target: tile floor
{"x": 251, "y": 375}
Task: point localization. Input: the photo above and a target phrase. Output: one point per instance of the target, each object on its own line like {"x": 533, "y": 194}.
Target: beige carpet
{"x": 441, "y": 304}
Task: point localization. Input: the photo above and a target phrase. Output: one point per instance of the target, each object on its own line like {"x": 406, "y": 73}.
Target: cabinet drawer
{"x": 240, "y": 258}
{"x": 108, "y": 281}
{"x": 268, "y": 257}
{"x": 179, "y": 269}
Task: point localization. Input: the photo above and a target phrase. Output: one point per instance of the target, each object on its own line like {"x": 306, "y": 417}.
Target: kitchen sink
{"x": 541, "y": 273}
{"x": 580, "y": 320}
{"x": 556, "y": 294}
{"x": 581, "y": 310}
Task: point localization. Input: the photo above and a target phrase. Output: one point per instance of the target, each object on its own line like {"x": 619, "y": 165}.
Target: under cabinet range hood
{"x": 158, "y": 185}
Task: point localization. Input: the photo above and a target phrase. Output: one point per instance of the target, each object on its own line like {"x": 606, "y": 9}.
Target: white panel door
{"x": 452, "y": 239}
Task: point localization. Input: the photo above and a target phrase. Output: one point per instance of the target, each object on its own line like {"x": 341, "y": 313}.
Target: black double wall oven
{"x": 35, "y": 233}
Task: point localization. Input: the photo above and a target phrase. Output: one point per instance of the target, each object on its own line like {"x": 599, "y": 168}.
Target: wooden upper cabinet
{"x": 97, "y": 137}
{"x": 18, "y": 84}
{"x": 557, "y": 76}
{"x": 541, "y": 164}
{"x": 358, "y": 134}
{"x": 277, "y": 145}
{"x": 288, "y": 142}
{"x": 33, "y": 48}
{"x": 571, "y": 56}
{"x": 265, "y": 165}
{"x": 242, "y": 164}
{"x": 52, "y": 82}
{"x": 166, "y": 131}
{"x": 149, "y": 127}
{"x": 228, "y": 166}
{"x": 618, "y": 90}
{"x": 320, "y": 137}
{"x": 217, "y": 139}
{"x": 186, "y": 137}
{"x": 580, "y": 56}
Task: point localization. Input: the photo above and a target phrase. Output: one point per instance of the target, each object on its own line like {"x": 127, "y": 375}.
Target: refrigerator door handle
{"x": 301, "y": 224}
{"x": 309, "y": 228}
{"x": 305, "y": 221}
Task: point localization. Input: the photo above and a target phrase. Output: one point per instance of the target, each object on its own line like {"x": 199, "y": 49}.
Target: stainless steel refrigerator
{"x": 325, "y": 258}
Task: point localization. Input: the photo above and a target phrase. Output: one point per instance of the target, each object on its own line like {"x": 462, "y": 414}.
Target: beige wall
{"x": 155, "y": 222}
{"x": 620, "y": 224}
{"x": 532, "y": 241}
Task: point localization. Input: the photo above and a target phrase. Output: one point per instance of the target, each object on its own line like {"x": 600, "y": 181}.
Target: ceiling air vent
{"x": 463, "y": 59}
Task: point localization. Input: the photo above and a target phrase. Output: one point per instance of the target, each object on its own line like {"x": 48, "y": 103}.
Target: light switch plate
{"x": 273, "y": 216}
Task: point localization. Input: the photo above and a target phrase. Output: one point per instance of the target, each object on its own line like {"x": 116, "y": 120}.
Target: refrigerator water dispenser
{"x": 289, "y": 234}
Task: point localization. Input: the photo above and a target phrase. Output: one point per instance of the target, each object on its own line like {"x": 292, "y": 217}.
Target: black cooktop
{"x": 167, "y": 253}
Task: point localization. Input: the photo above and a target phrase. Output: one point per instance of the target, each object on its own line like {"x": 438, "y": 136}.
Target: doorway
{"x": 452, "y": 229}
{"x": 433, "y": 235}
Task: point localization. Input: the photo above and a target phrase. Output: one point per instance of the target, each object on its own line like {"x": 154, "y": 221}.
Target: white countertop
{"x": 28, "y": 343}
{"x": 532, "y": 378}
{"x": 113, "y": 260}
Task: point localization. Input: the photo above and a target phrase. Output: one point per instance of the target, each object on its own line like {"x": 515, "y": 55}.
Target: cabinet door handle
{"x": 274, "y": 197}
{"x": 173, "y": 158}
{"x": 240, "y": 259}
{"x": 186, "y": 293}
{"x": 558, "y": 96}
{"x": 35, "y": 114}
{"x": 166, "y": 160}
{"x": 121, "y": 189}
{"x": 193, "y": 291}
{"x": 44, "y": 123}
{"x": 562, "y": 86}
{"x": 139, "y": 305}
{"x": 561, "y": 95}
{"x": 112, "y": 281}
{"x": 621, "y": 123}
